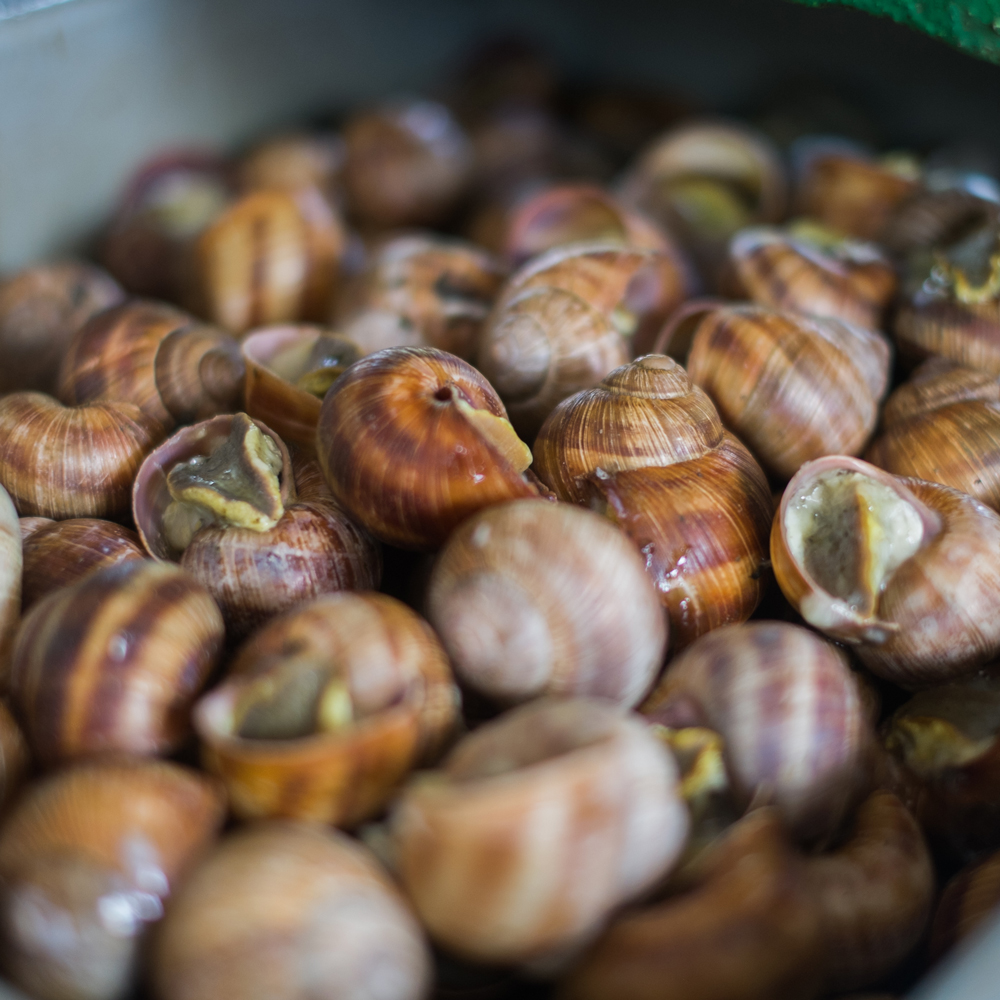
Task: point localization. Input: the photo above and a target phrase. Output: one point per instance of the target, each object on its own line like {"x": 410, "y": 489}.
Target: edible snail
{"x": 969, "y": 899}
{"x": 326, "y": 709}
{"x": 533, "y": 598}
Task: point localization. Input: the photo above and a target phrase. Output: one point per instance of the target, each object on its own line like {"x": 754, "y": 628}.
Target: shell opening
{"x": 714, "y": 207}
{"x": 851, "y": 533}
{"x": 971, "y": 266}
{"x": 299, "y": 699}
{"x": 498, "y": 431}
{"x": 184, "y": 202}
{"x": 315, "y": 367}
{"x": 237, "y": 484}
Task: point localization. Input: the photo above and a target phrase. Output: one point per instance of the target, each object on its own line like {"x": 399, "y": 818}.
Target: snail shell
{"x": 874, "y": 894}
{"x": 568, "y": 318}
{"x": 943, "y": 425}
{"x": 294, "y": 161}
{"x": 41, "y": 307}
{"x": 314, "y": 548}
{"x": 290, "y": 912}
{"x": 842, "y": 278}
{"x": 490, "y": 849}
{"x": 407, "y": 164}
{"x": 420, "y": 290}
{"x": 969, "y": 899}
{"x": 15, "y": 758}
{"x": 747, "y": 931}
{"x": 11, "y": 579}
{"x": 532, "y": 598}
{"x": 87, "y": 860}
{"x": 918, "y": 587}
{"x": 271, "y": 257}
{"x": 787, "y": 706}
{"x": 115, "y": 661}
{"x": 413, "y": 440}
{"x": 259, "y": 728}
{"x": 59, "y": 461}
{"x": 62, "y": 552}
{"x": 793, "y": 387}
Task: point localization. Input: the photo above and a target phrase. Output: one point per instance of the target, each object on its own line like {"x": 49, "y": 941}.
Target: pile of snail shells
{"x": 390, "y": 613}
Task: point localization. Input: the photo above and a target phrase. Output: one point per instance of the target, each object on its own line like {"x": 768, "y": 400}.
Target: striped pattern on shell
{"x": 115, "y": 662}
{"x": 111, "y": 358}
{"x": 967, "y": 333}
{"x": 60, "y": 553}
{"x": 786, "y": 705}
{"x": 793, "y": 387}
{"x": 58, "y": 461}
{"x": 531, "y": 597}
{"x": 969, "y": 898}
{"x": 874, "y": 894}
{"x": 647, "y": 413}
{"x": 703, "y": 527}
{"x": 399, "y": 453}
{"x": 403, "y": 695}
{"x": 777, "y": 270}
{"x": 540, "y": 824}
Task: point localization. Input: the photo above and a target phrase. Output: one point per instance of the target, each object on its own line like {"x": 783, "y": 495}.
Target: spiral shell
{"x": 397, "y": 706}
{"x": 569, "y": 317}
{"x": 63, "y": 552}
{"x": 747, "y": 931}
{"x": 420, "y": 290}
{"x": 944, "y": 426}
{"x": 491, "y": 849}
{"x": 917, "y": 583}
{"x": 874, "y": 894}
{"x": 793, "y": 387}
{"x": 41, "y": 307}
{"x": 845, "y": 279}
{"x": 968, "y": 901}
{"x": 87, "y": 860}
{"x": 59, "y": 461}
{"x": 291, "y": 912}
{"x": 535, "y": 598}
{"x": 114, "y": 662}
{"x": 786, "y": 705}
{"x": 412, "y": 440}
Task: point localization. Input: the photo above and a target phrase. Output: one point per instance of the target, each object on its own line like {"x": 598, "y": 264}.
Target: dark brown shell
{"x": 404, "y": 704}
{"x": 401, "y": 447}
{"x": 60, "y": 461}
{"x": 420, "y": 291}
{"x": 115, "y": 662}
{"x": 41, "y": 307}
{"x": 63, "y": 552}
{"x": 969, "y": 899}
{"x": 96, "y": 850}
{"x": 785, "y": 702}
{"x": 315, "y": 548}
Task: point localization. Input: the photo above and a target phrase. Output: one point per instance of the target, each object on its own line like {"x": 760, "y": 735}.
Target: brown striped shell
{"x": 314, "y": 548}
{"x": 277, "y": 359}
{"x": 62, "y": 552}
{"x": 88, "y": 858}
{"x": 412, "y": 440}
{"x": 748, "y": 930}
{"x": 704, "y": 181}
{"x": 851, "y": 194}
{"x": 647, "y": 449}
{"x": 874, "y": 894}
{"x": 41, "y": 307}
{"x": 407, "y": 163}
{"x": 532, "y": 598}
{"x": 842, "y": 278}
{"x": 793, "y": 387}
{"x": 568, "y": 318}
{"x": 420, "y": 290}
{"x": 943, "y": 425}
{"x": 291, "y": 912}
{"x": 916, "y": 587}
{"x": 115, "y": 662}
{"x": 60, "y": 461}
{"x": 538, "y": 825}
{"x": 969, "y": 899}
{"x": 574, "y": 213}
{"x": 11, "y": 580}
{"x": 270, "y": 257}
{"x": 951, "y": 302}
{"x": 29, "y": 525}
{"x": 264, "y": 731}
{"x": 785, "y": 703}
{"x": 174, "y": 369}
{"x": 294, "y": 160}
